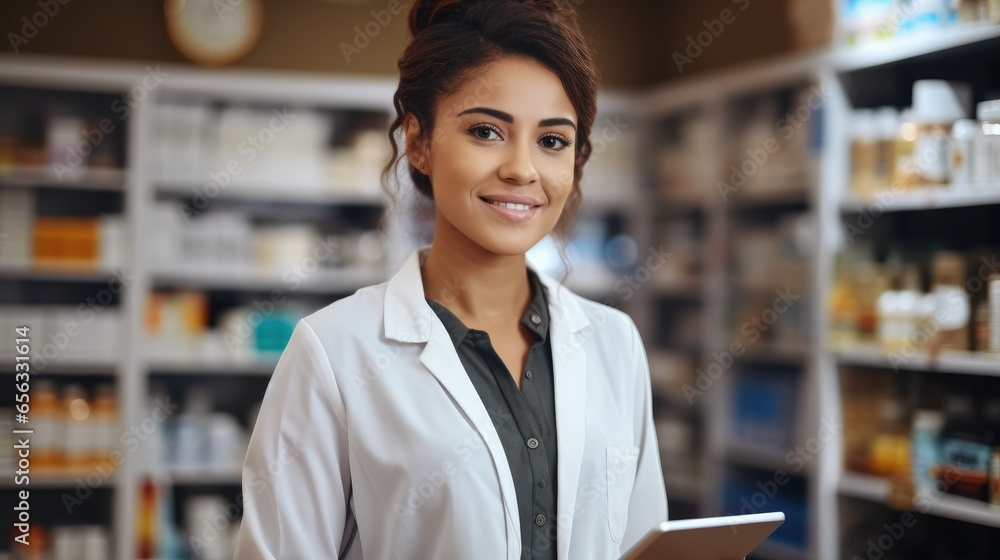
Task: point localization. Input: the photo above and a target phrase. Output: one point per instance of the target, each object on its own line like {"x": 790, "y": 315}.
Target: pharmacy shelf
{"x": 776, "y": 354}
{"x": 724, "y": 287}
{"x": 684, "y": 288}
{"x": 74, "y": 368}
{"x": 864, "y": 487}
{"x": 849, "y": 59}
{"x": 877, "y": 489}
{"x": 676, "y": 204}
{"x": 750, "y": 200}
{"x": 68, "y": 368}
{"x": 949, "y": 361}
{"x": 89, "y": 479}
{"x": 762, "y": 457}
{"x": 213, "y": 367}
{"x": 56, "y": 273}
{"x": 88, "y": 179}
{"x": 335, "y": 281}
{"x": 923, "y": 198}
{"x": 327, "y": 195}
{"x": 202, "y": 476}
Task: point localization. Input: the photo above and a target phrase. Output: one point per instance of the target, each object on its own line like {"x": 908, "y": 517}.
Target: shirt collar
{"x": 538, "y": 308}
{"x": 408, "y": 318}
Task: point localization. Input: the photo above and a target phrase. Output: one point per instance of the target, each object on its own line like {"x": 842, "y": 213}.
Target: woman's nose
{"x": 518, "y": 167}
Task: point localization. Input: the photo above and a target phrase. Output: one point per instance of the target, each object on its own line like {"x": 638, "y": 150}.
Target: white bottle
{"x": 963, "y": 134}
{"x": 936, "y": 105}
{"x": 986, "y": 148}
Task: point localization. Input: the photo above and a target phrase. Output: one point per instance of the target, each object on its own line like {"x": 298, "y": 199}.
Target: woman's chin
{"x": 509, "y": 244}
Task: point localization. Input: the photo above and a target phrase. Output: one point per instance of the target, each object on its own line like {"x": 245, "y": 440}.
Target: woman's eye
{"x": 483, "y": 132}
{"x": 554, "y": 143}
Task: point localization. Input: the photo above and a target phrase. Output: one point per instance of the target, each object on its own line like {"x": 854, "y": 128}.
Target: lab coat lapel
{"x": 408, "y": 318}
{"x": 569, "y": 368}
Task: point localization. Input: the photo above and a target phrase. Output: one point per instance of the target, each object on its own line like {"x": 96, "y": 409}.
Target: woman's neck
{"x": 480, "y": 287}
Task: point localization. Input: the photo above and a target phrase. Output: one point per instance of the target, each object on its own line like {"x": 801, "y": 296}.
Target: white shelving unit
{"x": 873, "y": 67}
{"x": 721, "y": 286}
{"x": 828, "y": 202}
{"x": 877, "y": 489}
{"x": 131, "y": 370}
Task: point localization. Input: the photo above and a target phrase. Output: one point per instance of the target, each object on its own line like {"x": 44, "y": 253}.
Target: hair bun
{"x": 425, "y": 13}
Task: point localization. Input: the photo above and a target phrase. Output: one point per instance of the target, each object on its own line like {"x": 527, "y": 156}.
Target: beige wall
{"x": 635, "y": 39}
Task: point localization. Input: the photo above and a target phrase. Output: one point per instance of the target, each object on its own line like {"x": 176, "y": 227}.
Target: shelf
{"x": 207, "y": 367}
{"x": 759, "y": 457}
{"x": 923, "y": 198}
{"x": 56, "y": 368}
{"x": 55, "y": 273}
{"x": 203, "y": 476}
{"x": 683, "y": 288}
{"x": 680, "y": 202}
{"x": 849, "y": 59}
{"x": 950, "y": 361}
{"x": 333, "y": 281}
{"x": 57, "y": 481}
{"x": 84, "y": 179}
{"x": 780, "y": 354}
{"x": 864, "y": 487}
{"x": 775, "y": 198}
{"x": 876, "y": 489}
{"x": 324, "y": 194}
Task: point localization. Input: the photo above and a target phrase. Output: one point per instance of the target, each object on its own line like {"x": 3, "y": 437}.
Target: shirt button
{"x": 539, "y": 520}
{"x": 543, "y": 484}
{"x": 532, "y": 443}
{"x": 527, "y": 373}
{"x": 536, "y": 319}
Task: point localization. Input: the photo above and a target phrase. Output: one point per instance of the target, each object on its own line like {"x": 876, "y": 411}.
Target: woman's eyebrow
{"x": 507, "y": 117}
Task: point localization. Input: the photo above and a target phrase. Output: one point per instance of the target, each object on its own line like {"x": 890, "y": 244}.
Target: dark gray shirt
{"x": 525, "y": 419}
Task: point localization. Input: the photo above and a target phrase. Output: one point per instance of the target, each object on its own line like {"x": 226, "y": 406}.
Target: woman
{"x": 471, "y": 407}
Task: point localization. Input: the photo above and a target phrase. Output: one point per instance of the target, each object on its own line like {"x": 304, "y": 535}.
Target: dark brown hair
{"x": 453, "y": 39}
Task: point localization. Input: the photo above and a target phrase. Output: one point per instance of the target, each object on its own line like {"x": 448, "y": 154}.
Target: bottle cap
{"x": 988, "y": 110}
{"x": 939, "y": 101}
{"x": 932, "y": 420}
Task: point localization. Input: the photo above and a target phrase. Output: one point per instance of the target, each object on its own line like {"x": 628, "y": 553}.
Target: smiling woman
{"x": 472, "y": 406}
{"x": 501, "y": 171}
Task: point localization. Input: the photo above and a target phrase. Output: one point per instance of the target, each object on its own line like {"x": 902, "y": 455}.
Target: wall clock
{"x": 214, "y": 32}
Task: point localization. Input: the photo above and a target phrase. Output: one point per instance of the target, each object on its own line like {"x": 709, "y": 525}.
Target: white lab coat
{"x": 370, "y": 392}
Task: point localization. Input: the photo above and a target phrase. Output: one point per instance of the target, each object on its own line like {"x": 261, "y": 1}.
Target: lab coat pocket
{"x": 622, "y": 463}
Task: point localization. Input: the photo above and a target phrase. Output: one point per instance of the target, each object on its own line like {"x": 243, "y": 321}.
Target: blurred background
{"x": 797, "y": 201}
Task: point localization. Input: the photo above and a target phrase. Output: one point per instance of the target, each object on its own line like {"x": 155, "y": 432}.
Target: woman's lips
{"x": 516, "y": 216}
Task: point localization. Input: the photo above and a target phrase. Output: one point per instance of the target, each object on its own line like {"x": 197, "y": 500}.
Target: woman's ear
{"x": 416, "y": 153}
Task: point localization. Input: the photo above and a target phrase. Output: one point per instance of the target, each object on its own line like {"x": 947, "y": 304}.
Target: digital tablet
{"x": 710, "y": 538}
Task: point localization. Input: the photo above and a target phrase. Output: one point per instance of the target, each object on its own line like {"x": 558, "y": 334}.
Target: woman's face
{"x": 501, "y": 157}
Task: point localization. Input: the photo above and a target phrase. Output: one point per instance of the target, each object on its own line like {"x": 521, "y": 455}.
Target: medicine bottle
{"x": 936, "y": 105}
{"x": 986, "y": 146}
